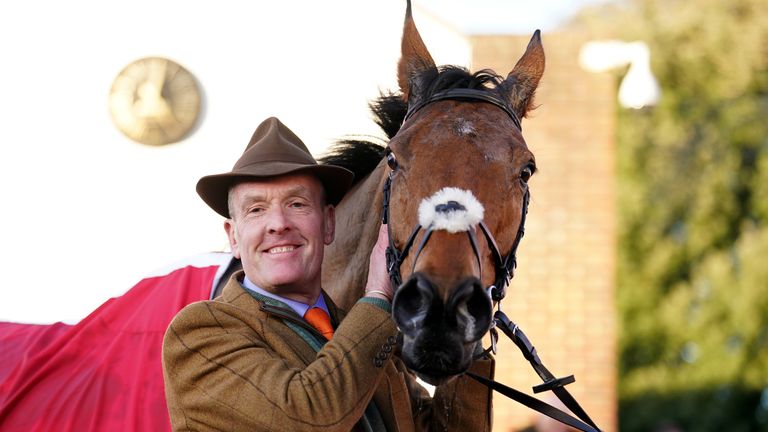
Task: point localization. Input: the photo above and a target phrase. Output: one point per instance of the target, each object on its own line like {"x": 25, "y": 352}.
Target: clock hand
{"x": 151, "y": 103}
{"x": 157, "y": 77}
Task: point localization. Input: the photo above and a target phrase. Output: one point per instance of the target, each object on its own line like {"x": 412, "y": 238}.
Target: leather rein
{"x": 504, "y": 271}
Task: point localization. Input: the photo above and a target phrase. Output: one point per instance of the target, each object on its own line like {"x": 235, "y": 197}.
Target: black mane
{"x": 451, "y": 77}
{"x": 361, "y": 154}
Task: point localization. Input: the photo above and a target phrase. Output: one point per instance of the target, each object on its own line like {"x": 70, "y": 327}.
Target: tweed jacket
{"x": 239, "y": 364}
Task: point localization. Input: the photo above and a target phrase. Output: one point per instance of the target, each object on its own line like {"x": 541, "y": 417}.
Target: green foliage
{"x": 693, "y": 206}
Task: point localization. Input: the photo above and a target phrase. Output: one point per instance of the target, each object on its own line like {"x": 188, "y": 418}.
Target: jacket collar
{"x": 234, "y": 293}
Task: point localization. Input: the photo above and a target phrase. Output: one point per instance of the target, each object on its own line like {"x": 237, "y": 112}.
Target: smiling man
{"x": 273, "y": 353}
{"x": 278, "y": 229}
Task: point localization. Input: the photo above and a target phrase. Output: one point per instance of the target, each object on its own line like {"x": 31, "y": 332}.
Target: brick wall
{"x": 563, "y": 293}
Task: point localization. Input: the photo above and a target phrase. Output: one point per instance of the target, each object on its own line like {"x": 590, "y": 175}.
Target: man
{"x": 257, "y": 358}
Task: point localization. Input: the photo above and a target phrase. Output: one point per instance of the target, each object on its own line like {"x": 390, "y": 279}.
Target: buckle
{"x": 553, "y": 384}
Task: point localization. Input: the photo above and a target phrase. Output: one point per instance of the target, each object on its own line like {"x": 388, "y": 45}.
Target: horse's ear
{"x": 414, "y": 57}
{"x": 520, "y": 85}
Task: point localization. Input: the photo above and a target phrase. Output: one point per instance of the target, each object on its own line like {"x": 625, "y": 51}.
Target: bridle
{"x": 504, "y": 266}
{"x": 504, "y": 271}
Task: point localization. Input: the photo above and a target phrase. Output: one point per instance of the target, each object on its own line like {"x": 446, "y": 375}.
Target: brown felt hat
{"x": 273, "y": 151}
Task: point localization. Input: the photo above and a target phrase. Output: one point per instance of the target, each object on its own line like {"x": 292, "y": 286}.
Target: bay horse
{"x": 452, "y": 183}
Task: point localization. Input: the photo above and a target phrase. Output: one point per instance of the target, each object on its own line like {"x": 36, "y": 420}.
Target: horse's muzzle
{"x": 439, "y": 337}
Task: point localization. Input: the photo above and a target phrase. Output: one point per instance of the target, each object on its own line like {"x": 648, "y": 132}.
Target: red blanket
{"x": 104, "y": 373}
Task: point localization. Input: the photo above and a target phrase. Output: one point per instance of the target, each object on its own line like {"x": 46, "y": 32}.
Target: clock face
{"x": 154, "y": 101}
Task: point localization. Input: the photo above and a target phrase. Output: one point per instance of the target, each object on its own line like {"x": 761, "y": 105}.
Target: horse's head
{"x": 459, "y": 172}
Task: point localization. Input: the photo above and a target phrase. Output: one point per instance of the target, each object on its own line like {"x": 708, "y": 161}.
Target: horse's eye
{"x": 526, "y": 174}
{"x": 391, "y": 161}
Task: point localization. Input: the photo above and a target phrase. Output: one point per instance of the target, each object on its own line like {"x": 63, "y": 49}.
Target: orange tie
{"x": 320, "y": 320}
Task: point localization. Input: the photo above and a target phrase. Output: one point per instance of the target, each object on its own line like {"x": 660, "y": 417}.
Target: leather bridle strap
{"x": 394, "y": 256}
{"x": 556, "y": 385}
{"x": 534, "y": 404}
{"x": 463, "y": 94}
{"x": 505, "y": 267}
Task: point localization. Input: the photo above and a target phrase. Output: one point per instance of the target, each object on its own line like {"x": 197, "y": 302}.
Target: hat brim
{"x": 214, "y": 189}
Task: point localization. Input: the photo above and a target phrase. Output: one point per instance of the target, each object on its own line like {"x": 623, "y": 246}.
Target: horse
{"x": 455, "y": 169}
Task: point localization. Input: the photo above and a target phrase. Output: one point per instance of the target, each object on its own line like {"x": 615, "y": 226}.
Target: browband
{"x": 466, "y": 95}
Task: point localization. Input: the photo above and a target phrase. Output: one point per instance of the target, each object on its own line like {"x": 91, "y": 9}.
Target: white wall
{"x": 84, "y": 211}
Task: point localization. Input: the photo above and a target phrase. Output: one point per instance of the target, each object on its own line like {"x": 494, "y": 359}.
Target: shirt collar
{"x": 298, "y": 307}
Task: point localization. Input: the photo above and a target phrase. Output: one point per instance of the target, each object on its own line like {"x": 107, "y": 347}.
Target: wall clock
{"x": 154, "y": 101}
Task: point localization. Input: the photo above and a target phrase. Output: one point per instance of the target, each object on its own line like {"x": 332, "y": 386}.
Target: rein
{"x": 504, "y": 268}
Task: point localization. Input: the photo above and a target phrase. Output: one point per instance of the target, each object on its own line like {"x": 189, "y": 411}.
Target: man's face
{"x": 279, "y": 228}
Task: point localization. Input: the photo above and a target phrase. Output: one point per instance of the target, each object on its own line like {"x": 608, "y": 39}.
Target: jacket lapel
{"x": 236, "y": 295}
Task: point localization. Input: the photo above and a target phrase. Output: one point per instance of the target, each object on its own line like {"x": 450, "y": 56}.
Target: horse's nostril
{"x": 412, "y": 303}
{"x": 472, "y": 308}
{"x": 479, "y": 304}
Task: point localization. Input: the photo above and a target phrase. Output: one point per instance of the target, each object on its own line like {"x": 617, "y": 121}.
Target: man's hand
{"x": 378, "y": 284}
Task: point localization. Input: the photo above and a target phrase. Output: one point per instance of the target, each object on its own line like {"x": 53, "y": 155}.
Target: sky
{"x": 505, "y": 16}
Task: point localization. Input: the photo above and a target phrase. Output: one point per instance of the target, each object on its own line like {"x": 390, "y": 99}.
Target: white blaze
{"x": 453, "y": 221}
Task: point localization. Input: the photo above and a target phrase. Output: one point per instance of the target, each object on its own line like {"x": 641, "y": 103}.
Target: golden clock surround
{"x": 154, "y": 101}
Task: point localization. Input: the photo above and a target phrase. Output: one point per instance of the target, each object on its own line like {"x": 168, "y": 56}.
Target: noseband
{"x": 504, "y": 267}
